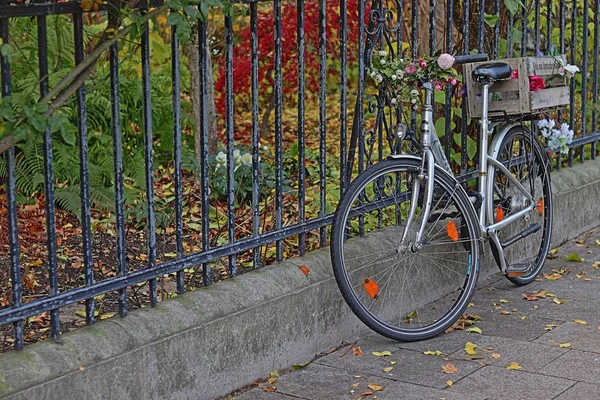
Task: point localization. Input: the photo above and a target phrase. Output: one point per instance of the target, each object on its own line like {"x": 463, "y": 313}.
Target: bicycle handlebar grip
{"x": 469, "y": 58}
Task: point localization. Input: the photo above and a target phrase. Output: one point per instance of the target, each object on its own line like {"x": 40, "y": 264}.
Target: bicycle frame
{"x": 433, "y": 154}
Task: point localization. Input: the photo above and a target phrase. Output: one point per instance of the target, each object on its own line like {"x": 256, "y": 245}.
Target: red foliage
{"x": 242, "y": 62}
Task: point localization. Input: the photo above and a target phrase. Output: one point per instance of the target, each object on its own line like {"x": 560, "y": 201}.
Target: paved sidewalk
{"x": 554, "y": 345}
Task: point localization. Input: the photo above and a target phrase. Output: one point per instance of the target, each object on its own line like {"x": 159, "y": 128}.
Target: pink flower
{"x": 453, "y": 82}
{"x": 438, "y": 86}
{"x": 536, "y": 83}
{"x": 410, "y": 69}
{"x": 514, "y": 74}
{"x": 422, "y": 63}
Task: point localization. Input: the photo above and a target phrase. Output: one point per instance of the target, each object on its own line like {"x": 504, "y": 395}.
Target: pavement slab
{"x": 556, "y": 346}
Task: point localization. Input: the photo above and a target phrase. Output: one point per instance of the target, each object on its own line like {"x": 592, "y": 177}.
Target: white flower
{"x": 236, "y": 154}
{"x": 382, "y": 61}
{"x": 246, "y": 159}
{"x": 394, "y": 101}
{"x": 414, "y": 92}
{"x": 413, "y": 101}
{"x": 571, "y": 70}
{"x": 221, "y": 158}
{"x": 542, "y": 123}
{"x": 379, "y": 78}
{"x": 394, "y": 77}
{"x": 383, "y": 53}
{"x": 561, "y": 71}
{"x": 373, "y": 74}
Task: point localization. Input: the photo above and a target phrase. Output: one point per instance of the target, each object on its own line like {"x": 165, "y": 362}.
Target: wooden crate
{"x": 513, "y": 97}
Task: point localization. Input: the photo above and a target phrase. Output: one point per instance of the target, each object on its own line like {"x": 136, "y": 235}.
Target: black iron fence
{"x": 288, "y": 145}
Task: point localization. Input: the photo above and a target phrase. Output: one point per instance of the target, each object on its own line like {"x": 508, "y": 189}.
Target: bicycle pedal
{"x": 517, "y": 270}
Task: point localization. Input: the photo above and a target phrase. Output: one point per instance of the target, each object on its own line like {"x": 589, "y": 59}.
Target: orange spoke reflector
{"x": 372, "y": 288}
{"x": 499, "y": 213}
{"x": 540, "y": 206}
{"x": 452, "y": 231}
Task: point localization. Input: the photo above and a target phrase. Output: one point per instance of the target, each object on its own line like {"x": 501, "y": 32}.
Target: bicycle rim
{"x": 404, "y": 293}
{"x": 527, "y": 164}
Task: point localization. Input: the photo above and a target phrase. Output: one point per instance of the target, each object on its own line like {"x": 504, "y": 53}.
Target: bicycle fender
{"x": 494, "y": 147}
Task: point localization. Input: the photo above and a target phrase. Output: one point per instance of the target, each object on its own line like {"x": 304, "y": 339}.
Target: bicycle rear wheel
{"x": 525, "y": 160}
{"x": 410, "y": 293}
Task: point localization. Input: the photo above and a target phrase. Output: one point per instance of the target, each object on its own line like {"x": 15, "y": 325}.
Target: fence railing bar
{"x": 32, "y": 9}
{"x": 118, "y": 171}
{"x": 229, "y": 141}
{"x": 11, "y": 200}
{"x": 463, "y": 122}
{"x": 10, "y": 315}
{"x": 301, "y": 124}
{"x": 509, "y": 38}
{"x": 449, "y": 88}
{"x": 204, "y": 188}
{"x": 549, "y": 16}
{"x": 344, "y": 175}
{"x": 562, "y": 22}
{"x": 322, "y": 118}
{"x": 399, "y": 32}
{"x": 536, "y": 28}
{"x": 413, "y": 48}
{"x": 432, "y": 27}
{"x": 524, "y": 35}
{"x": 596, "y": 72}
{"x": 84, "y": 176}
{"x": 572, "y": 61}
{"x": 176, "y": 97}
{"x": 48, "y": 181}
{"x": 148, "y": 160}
{"x": 584, "y": 73}
{"x": 255, "y": 132}
{"x": 481, "y": 27}
{"x": 496, "y": 51}
{"x": 278, "y": 128}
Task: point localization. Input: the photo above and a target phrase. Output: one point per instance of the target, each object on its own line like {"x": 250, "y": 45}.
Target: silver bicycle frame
{"x": 433, "y": 154}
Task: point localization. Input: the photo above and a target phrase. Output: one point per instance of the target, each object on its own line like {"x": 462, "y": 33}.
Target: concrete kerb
{"x": 208, "y": 342}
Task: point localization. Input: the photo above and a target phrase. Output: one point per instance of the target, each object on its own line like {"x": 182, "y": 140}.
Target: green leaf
{"x": 474, "y": 330}
{"x": 381, "y": 353}
{"x": 491, "y": 20}
{"x": 471, "y": 148}
{"x": 513, "y": 6}
{"x": 574, "y": 257}
{"x": 5, "y": 49}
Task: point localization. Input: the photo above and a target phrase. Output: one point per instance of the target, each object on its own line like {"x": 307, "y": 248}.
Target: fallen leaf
{"x": 596, "y": 265}
{"x": 274, "y": 374}
{"x": 393, "y": 362}
{"x": 388, "y": 369}
{"x": 470, "y": 348}
{"x": 582, "y": 239}
{"x": 449, "y": 383}
{"x": 495, "y": 356}
{"x": 540, "y": 294}
{"x": 523, "y": 316}
{"x": 296, "y": 367}
{"x": 367, "y": 393}
{"x": 552, "y": 254}
{"x": 597, "y": 242}
{"x": 503, "y": 301}
{"x": 372, "y": 288}
{"x": 474, "y": 330}
{"x": 549, "y": 327}
{"x": 449, "y": 368}
{"x": 432, "y": 353}
{"x": 356, "y": 384}
{"x": 269, "y": 388}
{"x": 574, "y": 257}
{"x": 580, "y": 321}
{"x": 587, "y": 279}
{"x": 563, "y": 345}
{"x": 505, "y": 312}
{"x": 580, "y": 275}
{"x": 559, "y": 301}
{"x": 305, "y": 270}
{"x": 381, "y": 353}
{"x": 357, "y": 351}
{"x": 514, "y": 366}
{"x": 374, "y": 387}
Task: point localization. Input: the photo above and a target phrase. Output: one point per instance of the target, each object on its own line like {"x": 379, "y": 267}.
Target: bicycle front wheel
{"x": 406, "y": 291}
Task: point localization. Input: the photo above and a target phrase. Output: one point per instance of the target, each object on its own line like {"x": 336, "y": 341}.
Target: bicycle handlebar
{"x": 447, "y": 61}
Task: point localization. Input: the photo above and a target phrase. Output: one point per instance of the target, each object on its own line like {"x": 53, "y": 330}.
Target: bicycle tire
{"x": 369, "y": 198}
{"x": 532, "y": 249}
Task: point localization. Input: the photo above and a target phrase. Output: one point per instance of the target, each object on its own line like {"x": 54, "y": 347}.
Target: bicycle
{"x": 406, "y": 240}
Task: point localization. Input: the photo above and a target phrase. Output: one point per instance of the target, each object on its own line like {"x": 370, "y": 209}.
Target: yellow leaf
{"x": 274, "y": 374}
{"x": 374, "y": 387}
{"x": 381, "y": 353}
{"x": 505, "y": 312}
{"x": 449, "y": 368}
{"x": 597, "y": 242}
{"x": 503, "y": 301}
{"x": 388, "y": 369}
{"x": 559, "y": 301}
{"x": 393, "y": 362}
{"x": 563, "y": 345}
{"x": 432, "y": 353}
{"x": 580, "y": 321}
{"x": 296, "y": 367}
{"x": 355, "y": 384}
{"x": 523, "y": 316}
{"x": 495, "y": 356}
{"x": 86, "y": 5}
{"x": 514, "y": 366}
{"x": 549, "y": 327}
{"x": 449, "y": 383}
{"x": 474, "y": 330}
{"x": 470, "y": 348}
